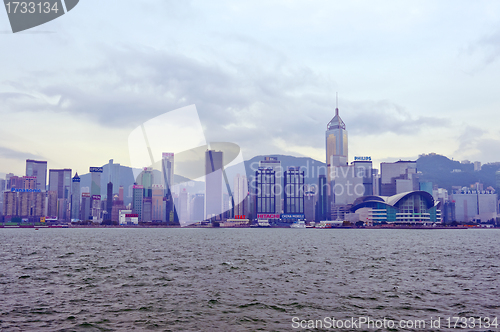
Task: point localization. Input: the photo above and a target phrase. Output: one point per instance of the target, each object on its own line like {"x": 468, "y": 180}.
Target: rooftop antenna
{"x": 337, "y": 103}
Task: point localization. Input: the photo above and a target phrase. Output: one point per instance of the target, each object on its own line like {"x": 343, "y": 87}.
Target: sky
{"x": 411, "y": 77}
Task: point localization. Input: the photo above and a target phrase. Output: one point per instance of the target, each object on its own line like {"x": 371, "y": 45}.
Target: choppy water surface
{"x": 241, "y": 279}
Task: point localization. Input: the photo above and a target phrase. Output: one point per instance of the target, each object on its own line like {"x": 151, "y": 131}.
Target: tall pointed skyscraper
{"x": 336, "y": 144}
{"x": 336, "y": 156}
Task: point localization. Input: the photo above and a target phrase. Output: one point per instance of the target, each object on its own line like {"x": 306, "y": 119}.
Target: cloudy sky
{"x": 412, "y": 77}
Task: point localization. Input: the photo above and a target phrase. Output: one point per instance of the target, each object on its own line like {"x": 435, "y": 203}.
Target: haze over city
{"x": 412, "y": 79}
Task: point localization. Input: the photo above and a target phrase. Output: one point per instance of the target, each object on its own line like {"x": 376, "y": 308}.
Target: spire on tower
{"x": 336, "y": 122}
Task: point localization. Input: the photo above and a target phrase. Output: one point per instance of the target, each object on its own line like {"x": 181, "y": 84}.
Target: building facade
{"x": 213, "y": 184}
{"x": 138, "y": 200}
{"x": 475, "y": 205}
{"x": 275, "y": 164}
{"x": 398, "y": 177}
{"x": 265, "y": 193}
{"x": 75, "y": 197}
{"x": 410, "y": 208}
{"x": 294, "y": 191}
{"x": 37, "y": 169}
{"x": 240, "y": 195}
{"x": 60, "y": 182}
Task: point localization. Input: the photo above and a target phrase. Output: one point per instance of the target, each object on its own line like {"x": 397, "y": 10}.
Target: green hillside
{"x": 440, "y": 171}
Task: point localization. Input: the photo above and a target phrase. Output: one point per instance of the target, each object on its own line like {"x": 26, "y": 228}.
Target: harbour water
{"x": 163, "y": 279}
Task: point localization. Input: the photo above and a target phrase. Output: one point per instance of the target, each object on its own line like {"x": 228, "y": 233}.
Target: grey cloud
{"x": 488, "y": 47}
{"x": 379, "y": 117}
{"x": 9, "y": 96}
{"x": 247, "y": 103}
{"x": 479, "y": 148}
{"x": 470, "y": 138}
{"x": 14, "y": 154}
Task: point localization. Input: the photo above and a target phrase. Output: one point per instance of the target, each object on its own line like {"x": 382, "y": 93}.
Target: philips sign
{"x": 362, "y": 158}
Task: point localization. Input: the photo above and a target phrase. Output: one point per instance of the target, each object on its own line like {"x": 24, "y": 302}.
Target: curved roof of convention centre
{"x": 392, "y": 200}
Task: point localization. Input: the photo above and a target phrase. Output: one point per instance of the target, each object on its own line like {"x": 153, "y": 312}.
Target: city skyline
{"x": 412, "y": 79}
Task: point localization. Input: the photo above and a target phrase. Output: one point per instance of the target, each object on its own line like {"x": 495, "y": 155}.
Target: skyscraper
{"x": 294, "y": 191}
{"x": 182, "y": 207}
{"x": 146, "y": 180}
{"x": 158, "y": 203}
{"x": 309, "y": 206}
{"x": 109, "y": 200}
{"x": 336, "y": 156}
{"x": 39, "y": 204}
{"x": 336, "y": 144}
{"x": 147, "y": 209}
{"x": 364, "y": 169}
{"x": 75, "y": 197}
{"x": 213, "y": 183}
{"x": 138, "y": 200}
{"x": 85, "y": 213}
{"x": 198, "y": 207}
{"x": 398, "y": 177}
{"x": 10, "y": 204}
{"x": 38, "y": 169}
{"x": 275, "y": 164}
{"x": 29, "y": 182}
{"x": 167, "y": 170}
{"x": 2, "y": 189}
{"x": 95, "y": 192}
{"x": 52, "y": 210}
{"x": 240, "y": 194}
{"x": 322, "y": 208}
{"x": 95, "y": 185}
{"x": 114, "y": 175}
{"x": 60, "y": 182}
{"x": 120, "y": 193}
{"x": 265, "y": 193}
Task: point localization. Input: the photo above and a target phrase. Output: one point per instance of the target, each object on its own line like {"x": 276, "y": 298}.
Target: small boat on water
{"x": 298, "y": 224}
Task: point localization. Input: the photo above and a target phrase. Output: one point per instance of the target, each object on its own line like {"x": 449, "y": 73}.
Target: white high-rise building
{"x": 183, "y": 207}
{"x": 240, "y": 193}
{"x": 167, "y": 168}
{"x": 213, "y": 183}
